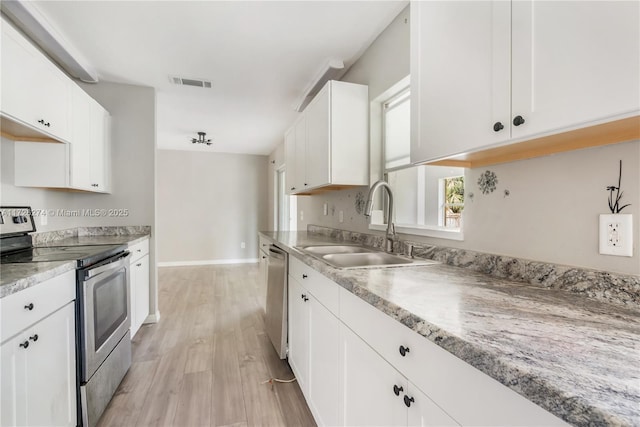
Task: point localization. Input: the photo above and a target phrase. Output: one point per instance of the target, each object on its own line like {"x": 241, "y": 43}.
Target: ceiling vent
{"x": 190, "y": 82}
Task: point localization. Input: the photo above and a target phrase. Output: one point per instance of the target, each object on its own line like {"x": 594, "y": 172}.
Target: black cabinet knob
{"x": 497, "y": 126}
{"x": 263, "y": 256}
{"x": 29, "y": 306}
{"x": 403, "y": 350}
{"x": 24, "y": 344}
{"x": 34, "y": 337}
{"x": 293, "y": 188}
{"x": 47, "y": 124}
{"x": 305, "y": 184}
{"x": 408, "y": 400}
{"x": 304, "y": 276}
{"x": 518, "y": 120}
{"x": 139, "y": 264}
{"x": 306, "y": 299}
{"x": 303, "y": 296}
{"x": 397, "y": 390}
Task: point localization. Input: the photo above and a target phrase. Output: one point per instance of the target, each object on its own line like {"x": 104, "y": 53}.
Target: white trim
{"x": 208, "y": 262}
{"x": 152, "y": 318}
{"x": 438, "y": 232}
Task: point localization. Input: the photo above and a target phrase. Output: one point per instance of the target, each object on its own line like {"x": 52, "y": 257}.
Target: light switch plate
{"x": 616, "y": 234}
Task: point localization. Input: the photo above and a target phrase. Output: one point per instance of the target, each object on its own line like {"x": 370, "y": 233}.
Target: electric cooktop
{"x": 84, "y": 255}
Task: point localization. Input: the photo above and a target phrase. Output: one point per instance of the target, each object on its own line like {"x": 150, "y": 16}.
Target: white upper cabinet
{"x": 36, "y": 97}
{"x": 328, "y": 144}
{"x": 574, "y": 63}
{"x": 489, "y": 73}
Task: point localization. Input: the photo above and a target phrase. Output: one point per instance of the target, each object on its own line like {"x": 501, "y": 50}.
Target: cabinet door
{"x": 263, "y": 278}
{"x": 290, "y": 160}
{"x": 324, "y": 364}
{"x": 298, "y": 322}
{"x": 39, "y": 379}
{"x": 318, "y": 139}
{"x": 13, "y": 404}
{"x": 301, "y": 150}
{"x": 141, "y": 291}
{"x": 369, "y": 395}
{"x": 80, "y": 147}
{"x": 34, "y": 91}
{"x": 423, "y": 412}
{"x": 460, "y": 65}
{"x": 574, "y": 62}
{"x": 98, "y": 146}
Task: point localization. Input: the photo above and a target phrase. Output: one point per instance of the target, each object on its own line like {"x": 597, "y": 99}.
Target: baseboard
{"x": 152, "y": 318}
{"x": 208, "y": 262}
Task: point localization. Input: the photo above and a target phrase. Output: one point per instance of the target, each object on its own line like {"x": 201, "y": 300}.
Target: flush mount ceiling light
{"x": 201, "y": 139}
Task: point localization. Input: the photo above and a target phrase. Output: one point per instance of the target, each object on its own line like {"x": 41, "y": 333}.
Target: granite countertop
{"x": 576, "y": 357}
{"x": 96, "y": 240}
{"x": 16, "y": 277}
{"x": 19, "y": 276}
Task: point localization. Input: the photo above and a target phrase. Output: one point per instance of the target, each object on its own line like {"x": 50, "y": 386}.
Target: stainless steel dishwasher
{"x": 276, "y": 310}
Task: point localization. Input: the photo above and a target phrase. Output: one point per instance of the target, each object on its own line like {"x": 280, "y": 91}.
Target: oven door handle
{"x": 112, "y": 264}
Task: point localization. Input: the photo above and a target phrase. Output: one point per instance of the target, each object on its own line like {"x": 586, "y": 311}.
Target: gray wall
{"x": 552, "y": 212}
{"x": 208, "y": 203}
{"x": 132, "y": 110}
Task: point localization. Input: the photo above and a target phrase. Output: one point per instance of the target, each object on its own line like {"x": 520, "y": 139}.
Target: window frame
{"x": 385, "y": 102}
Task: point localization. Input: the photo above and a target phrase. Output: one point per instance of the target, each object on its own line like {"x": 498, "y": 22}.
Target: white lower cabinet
{"x": 357, "y": 366}
{"x": 314, "y": 338}
{"x": 38, "y": 373}
{"x": 139, "y": 277}
{"x": 375, "y": 393}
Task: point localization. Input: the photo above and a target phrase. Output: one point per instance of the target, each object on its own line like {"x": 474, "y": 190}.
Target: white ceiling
{"x": 260, "y": 55}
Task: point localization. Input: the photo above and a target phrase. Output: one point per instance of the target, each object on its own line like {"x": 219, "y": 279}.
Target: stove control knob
{"x": 20, "y": 219}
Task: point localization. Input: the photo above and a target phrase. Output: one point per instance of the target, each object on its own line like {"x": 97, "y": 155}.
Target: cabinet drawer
{"x": 139, "y": 250}
{"x": 44, "y": 298}
{"x": 468, "y": 395}
{"x": 325, "y": 290}
{"x": 263, "y": 244}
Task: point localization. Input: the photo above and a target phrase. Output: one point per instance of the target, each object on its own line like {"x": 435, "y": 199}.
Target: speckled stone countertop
{"x": 576, "y": 357}
{"x": 16, "y": 277}
{"x": 129, "y": 239}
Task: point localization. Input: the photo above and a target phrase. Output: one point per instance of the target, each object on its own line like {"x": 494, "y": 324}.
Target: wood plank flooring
{"x": 204, "y": 363}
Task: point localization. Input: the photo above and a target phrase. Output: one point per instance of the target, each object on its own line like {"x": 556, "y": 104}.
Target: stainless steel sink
{"x": 354, "y": 256}
{"x": 372, "y": 259}
{"x": 336, "y": 249}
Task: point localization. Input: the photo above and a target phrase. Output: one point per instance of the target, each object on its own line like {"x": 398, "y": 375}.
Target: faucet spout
{"x": 391, "y": 229}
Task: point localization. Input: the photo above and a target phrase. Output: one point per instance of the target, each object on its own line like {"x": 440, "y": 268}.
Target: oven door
{"x": 104, "y": 313}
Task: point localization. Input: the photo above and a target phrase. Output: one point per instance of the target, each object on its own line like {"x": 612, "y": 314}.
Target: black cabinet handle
{"x": 518, "y": 120}
{"x": 397, "y": 390}
{"x": 24, "y": 344}
{"x": 497, "y": 127}
{"x": 263, "y": 256}
{"x": 138, "y": 264}
{"x": 304, "y": 276}
{"x": 293, "y": 188}
{"x": 306, "y": 299}
{"x": 408, "y": 400}
{"x": 29, "y": 306}
{"x": 34, "y": 337}
{"x": 42, "y": 122}
{"x": 403, "y": 350}
{"x": 303, "y": 296}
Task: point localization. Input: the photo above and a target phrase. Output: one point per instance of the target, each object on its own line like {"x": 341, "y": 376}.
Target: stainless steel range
{"x": 103, "y": 342}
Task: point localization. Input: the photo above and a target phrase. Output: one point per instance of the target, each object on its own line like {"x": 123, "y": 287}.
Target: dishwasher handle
{"x": 276, "y": 252}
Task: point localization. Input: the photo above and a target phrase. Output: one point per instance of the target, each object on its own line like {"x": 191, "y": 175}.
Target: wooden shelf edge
{"x": 623, "y": 130}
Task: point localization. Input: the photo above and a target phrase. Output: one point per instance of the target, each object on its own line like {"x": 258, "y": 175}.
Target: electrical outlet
{"x": 301, "y": 215}
{"x": 616, "y": 234}
{"x": 341, "y": 216}
{"x": 43, "y": 218}
{"x": 325, "y": 209}
{"x": 243, "y": 245}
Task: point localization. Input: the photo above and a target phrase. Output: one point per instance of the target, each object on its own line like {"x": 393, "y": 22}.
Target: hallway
{"x": 204, "y": 363}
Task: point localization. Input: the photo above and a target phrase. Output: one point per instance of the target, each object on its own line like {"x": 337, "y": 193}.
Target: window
{"x": 425, "y": 197}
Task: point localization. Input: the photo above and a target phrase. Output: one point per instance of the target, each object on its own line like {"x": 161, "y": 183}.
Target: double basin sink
{"x": 353, "y": 256}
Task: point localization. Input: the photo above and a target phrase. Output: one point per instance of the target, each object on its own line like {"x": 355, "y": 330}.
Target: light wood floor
{"x": 204, "y": 362}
